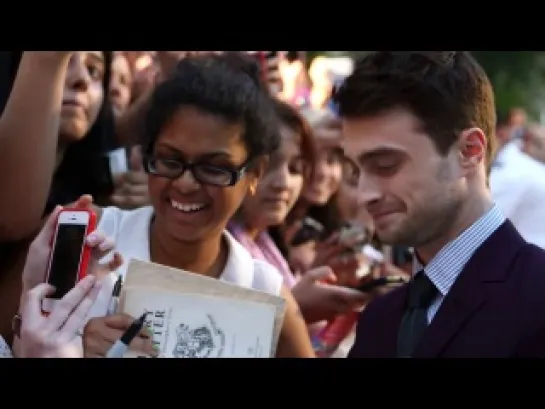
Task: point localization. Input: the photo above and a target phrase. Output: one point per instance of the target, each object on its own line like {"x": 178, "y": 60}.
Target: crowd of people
{"x": 198, "y": 160}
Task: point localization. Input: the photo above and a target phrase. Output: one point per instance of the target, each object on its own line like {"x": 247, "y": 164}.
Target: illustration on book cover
{"x": 206, "y": 341}
{"x": 194, "y": 326}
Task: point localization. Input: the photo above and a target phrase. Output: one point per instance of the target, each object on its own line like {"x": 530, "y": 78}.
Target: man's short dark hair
{"x": 447, "y": 90}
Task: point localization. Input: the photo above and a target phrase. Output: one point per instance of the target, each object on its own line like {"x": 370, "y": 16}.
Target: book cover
{"x": 201, "y": 326}
{"x": 154, "y": 279}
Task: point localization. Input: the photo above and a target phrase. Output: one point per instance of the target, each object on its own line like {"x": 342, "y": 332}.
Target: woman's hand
{"x": 327, "y": 250}
{"x": 101, "y": 333}
{"x": 319, "y": 301}
{"x": 37, "y": 260}
{"x": 344, "y": 262}
{"x": 131, "y": 188}
{"x": 55, "y": 336}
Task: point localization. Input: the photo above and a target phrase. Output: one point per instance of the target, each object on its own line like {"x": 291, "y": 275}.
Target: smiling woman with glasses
{"x": 210, "y": 130}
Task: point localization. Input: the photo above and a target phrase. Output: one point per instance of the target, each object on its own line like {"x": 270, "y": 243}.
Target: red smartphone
{"x": 70, "y": 255}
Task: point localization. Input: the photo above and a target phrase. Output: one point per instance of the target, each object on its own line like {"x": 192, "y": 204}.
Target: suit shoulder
{"x": 533, "y": 260}
{"x": 530, "y": 271}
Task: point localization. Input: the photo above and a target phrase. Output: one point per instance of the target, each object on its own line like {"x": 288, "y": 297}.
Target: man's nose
{"x": 369, "y": 191}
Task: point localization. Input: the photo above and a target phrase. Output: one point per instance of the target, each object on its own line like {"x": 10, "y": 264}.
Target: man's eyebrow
{"x": 365, "y": 156}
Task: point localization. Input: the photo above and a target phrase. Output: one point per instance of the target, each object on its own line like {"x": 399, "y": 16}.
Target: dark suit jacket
{"x": 495, "y": 309}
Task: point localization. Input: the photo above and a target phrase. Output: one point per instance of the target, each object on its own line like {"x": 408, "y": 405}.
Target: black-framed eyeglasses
{"x": 202, "y": 172}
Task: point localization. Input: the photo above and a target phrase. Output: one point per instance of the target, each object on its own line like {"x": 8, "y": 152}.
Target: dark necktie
{"x": 415, "y": 320}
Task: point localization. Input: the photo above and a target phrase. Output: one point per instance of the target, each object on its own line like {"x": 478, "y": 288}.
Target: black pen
{"x": 114, "y": 302}
{"x": 121, "y": 346}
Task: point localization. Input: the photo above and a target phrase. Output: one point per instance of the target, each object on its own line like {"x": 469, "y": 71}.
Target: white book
{"x": 188, "y": 325}
{"x": 156, "y": 278}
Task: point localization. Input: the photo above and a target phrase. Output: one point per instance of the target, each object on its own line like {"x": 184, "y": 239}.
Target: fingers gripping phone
{"x": 371, "y": 285}
{"x": 70, "y": 255}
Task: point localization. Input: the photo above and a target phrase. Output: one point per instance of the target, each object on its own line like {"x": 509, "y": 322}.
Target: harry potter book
{"x": 200, "y": 317}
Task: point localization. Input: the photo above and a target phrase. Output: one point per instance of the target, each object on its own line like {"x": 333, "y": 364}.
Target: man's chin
{"x": 391, "y": 237}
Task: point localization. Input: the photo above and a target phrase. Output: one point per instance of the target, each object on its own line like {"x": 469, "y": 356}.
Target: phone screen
{"x": 66, "y": 258}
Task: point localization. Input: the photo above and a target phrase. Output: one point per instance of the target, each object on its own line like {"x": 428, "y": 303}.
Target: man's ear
{"x": 259, "y": 167}
{"x": 472, "y": 148}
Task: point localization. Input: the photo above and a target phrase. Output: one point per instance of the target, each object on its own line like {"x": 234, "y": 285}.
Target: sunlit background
{"x": 518, "y": 76}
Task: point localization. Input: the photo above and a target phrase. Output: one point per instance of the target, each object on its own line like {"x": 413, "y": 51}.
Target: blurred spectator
{"x": 269, "y": 205}
{"x": 295, "y": 82}
{"x": 322, "y": 83}
{"x": 533, "y": 142}
{"x": 517, "y": 182}
{"x": 68, "y": 165}
{"x": 120, "y": 84}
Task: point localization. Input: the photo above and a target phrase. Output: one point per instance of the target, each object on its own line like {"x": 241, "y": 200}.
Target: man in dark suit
{"x": 419, "y": 136}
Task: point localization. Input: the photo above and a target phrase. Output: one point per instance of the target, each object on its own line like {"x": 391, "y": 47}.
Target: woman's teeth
{"x": 187, "y": 208}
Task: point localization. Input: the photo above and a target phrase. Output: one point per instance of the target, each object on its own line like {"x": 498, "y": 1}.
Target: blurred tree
{"x": 518, "y": 78}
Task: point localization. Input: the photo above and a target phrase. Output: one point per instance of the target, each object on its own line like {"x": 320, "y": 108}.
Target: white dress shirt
{"x": 517, "y": 182}
{"x": 130, "y": 230}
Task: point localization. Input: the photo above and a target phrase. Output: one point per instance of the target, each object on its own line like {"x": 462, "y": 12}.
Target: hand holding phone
{"x": 70, "y": 254}
{"x": 131, "y": 185}
{"x": 370, "y": 285}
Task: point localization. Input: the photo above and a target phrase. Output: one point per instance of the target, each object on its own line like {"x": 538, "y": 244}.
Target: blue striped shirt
{"x": 447, "y": 265}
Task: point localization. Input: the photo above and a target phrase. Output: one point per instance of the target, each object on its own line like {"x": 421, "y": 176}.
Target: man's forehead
{"x": 395, "y": 132}
{"x": 367, "y": 152}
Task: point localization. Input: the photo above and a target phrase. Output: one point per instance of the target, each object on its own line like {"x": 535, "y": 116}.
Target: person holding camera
{"x": 58, "y": 334}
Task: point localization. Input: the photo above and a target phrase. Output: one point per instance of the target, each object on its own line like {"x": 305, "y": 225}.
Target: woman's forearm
{"x": 29, "y": 129}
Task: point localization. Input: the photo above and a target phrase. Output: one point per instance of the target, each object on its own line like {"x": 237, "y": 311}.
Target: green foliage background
{"x": 518, "y": 77}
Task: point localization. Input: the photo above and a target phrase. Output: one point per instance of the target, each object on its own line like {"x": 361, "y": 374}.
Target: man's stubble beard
{"x": 426, "y": 225}
{"x": 431, "y": 218}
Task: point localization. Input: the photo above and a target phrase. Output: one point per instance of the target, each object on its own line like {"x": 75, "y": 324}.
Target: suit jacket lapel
{"x": 391, "y": 319}
{"x": 490, "y": 263}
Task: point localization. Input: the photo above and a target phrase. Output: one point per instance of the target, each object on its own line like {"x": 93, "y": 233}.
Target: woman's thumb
{"x": 136, "y": 162}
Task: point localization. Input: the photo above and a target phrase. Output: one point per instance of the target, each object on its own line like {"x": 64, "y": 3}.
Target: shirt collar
{"x": 447, "y": 265}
